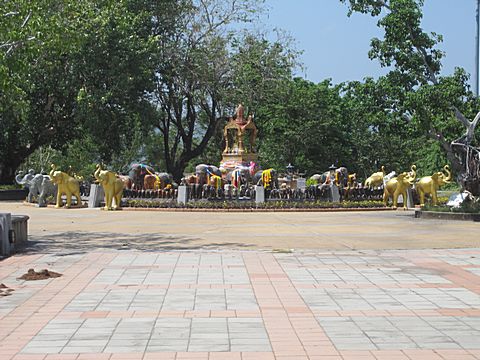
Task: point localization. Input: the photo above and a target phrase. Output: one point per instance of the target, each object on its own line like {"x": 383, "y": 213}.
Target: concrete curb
{"x": 437, "y": 215}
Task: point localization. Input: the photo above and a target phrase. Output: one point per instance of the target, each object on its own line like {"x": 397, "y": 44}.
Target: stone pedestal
{"x": 182, "y": 195}
{"x": 259, "y": 194}
{"x": 5, "y": 225}
{"x": 335, "y": 193}
{"x": 20, "y": 227}
{"x": 301, "y": 184}
{"x": 96, "y": 196}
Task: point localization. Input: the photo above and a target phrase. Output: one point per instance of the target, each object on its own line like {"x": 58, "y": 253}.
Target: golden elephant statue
{"x": 430, "y": 184}
{"x": 398, "y": 186}
{"x": 67, "y": 185}
{"x": 112, "y": 186}
{"x": 376, "y": 179}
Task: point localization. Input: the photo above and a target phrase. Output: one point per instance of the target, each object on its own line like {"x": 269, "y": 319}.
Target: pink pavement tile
{"x": 225, "y": 356}
{"x": 159, "y": 356}
{"x": 94, "y": 314}
{"x": 127, "y": 356}
{"x": 453, "y": 354}
{"x": 61, "y": 357}
{"x": 192, "y": 356}
{"x": 94, "y": 356}
{"x": 197, "y": 313}
{"x": 28, "y": 357}
{"x": 257, "y": 356}
{"x": 420, "y": 354}
{"x": 223, "y": 313}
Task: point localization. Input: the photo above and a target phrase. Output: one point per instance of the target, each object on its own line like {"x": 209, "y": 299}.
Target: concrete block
{"x": 96, "y": 196}
{"x": 259, "y": 194}
{"x": 182, "y": 197}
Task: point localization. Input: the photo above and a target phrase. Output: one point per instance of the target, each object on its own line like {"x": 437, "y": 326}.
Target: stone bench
{"x": 13, "y": 232}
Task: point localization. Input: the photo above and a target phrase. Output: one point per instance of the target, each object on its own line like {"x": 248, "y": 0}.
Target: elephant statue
{"x": 396, "y": 187}
{"x": 157, "y": 181}
{"x": 24, "y": 180}
{"x": 112, "y": 186}
{"x": 39, "y": 186}
{"x": 204, "y": 172}
{"x": 137, "y": 173}
{"x": 266, "y": 178}
{"x": 376, "y": 179}
{"x": 127, "y": 181}
{"x": 340, "y": 174}
{"x": 67, "y": 185}
{"x": 430, "y": 184}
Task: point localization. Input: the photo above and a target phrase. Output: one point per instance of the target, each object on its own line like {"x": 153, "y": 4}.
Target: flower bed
{"x": 252, "y": 206}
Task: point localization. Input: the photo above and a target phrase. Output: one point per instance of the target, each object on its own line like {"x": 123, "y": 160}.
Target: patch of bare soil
{"x": 39, "y": 275}
{"x": 5, "y": 290}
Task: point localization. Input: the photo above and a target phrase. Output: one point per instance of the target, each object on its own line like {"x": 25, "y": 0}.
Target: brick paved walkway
{"x": 323, "y": 305}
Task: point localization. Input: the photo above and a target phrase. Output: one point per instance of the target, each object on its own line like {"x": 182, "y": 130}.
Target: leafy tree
{"x": 72, "y": 70}
{"x": 197, "y": 76}
{"x": 439, "y": 106}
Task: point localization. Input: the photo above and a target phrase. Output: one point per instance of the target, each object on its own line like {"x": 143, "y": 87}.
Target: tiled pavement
{"x": 322, "y": 305}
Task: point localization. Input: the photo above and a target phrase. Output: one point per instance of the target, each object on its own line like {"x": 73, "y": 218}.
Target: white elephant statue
{"x": 39, "y": 187}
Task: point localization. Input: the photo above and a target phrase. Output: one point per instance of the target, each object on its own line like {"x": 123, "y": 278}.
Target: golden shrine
{"x": 240, "y": 135}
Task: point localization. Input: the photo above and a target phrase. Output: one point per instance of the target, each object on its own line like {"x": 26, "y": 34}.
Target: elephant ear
{"x": 435, "y": 176}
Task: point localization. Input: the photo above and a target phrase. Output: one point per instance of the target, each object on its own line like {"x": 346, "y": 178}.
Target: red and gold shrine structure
{"x": 240, "y": 135}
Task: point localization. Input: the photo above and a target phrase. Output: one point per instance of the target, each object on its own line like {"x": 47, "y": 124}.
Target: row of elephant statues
{"x": 394, "y": 186}
{"x": 59, "y": 183}
{"x": 212, "y": 178}
{"x": 56, "y": 184}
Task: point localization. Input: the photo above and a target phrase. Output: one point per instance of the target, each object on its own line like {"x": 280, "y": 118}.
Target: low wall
{"x": 18, "y": 194}
{"x": 419, "y": 214}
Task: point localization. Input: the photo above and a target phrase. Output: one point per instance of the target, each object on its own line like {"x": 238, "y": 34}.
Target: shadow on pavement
{"x": 71, "y": 242}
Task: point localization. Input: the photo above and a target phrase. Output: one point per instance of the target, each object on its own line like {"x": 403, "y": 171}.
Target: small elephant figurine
{"x": 396, "y": 187}
{"x": 376, "y": 179}
{"x": 430, "y": 184}
{"x": 112, "y": 186}
{"x": 67, "y": 185}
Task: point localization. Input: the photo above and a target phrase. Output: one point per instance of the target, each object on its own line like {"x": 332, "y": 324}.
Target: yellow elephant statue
{"x": 376, "y": 179}
{"x": 67, "y": 185}
{"x": 396, "y": 187}
{"x": 112, "y": 186}
{"x": 430, "y": 184}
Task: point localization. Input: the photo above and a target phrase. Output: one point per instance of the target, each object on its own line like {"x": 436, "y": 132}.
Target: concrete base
{"x": 259, "y": 194}
{"x": 97, "y": 195}
{"x": 182, "y": 195}
{"x": 419, "y": 214}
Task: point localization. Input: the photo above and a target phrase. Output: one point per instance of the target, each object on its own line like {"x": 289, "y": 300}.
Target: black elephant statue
{"x": 204, "y": 172}
{"x": 137, "y": 173}
{"x": 266, "y": 178}
{"x": 340, "y": 174}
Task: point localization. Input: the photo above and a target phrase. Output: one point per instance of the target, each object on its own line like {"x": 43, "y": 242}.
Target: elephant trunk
{"x": 52, "y": 171}
{"x": 97, "y": 173}
{"x": 20, "y": 178}
{"x": 449, "y": 173}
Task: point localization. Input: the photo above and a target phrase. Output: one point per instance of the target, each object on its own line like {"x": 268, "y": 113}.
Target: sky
{"x": 336, "y": 46}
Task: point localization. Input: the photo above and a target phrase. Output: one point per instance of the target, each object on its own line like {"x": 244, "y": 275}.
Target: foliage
{"x": 437, "y": 106}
